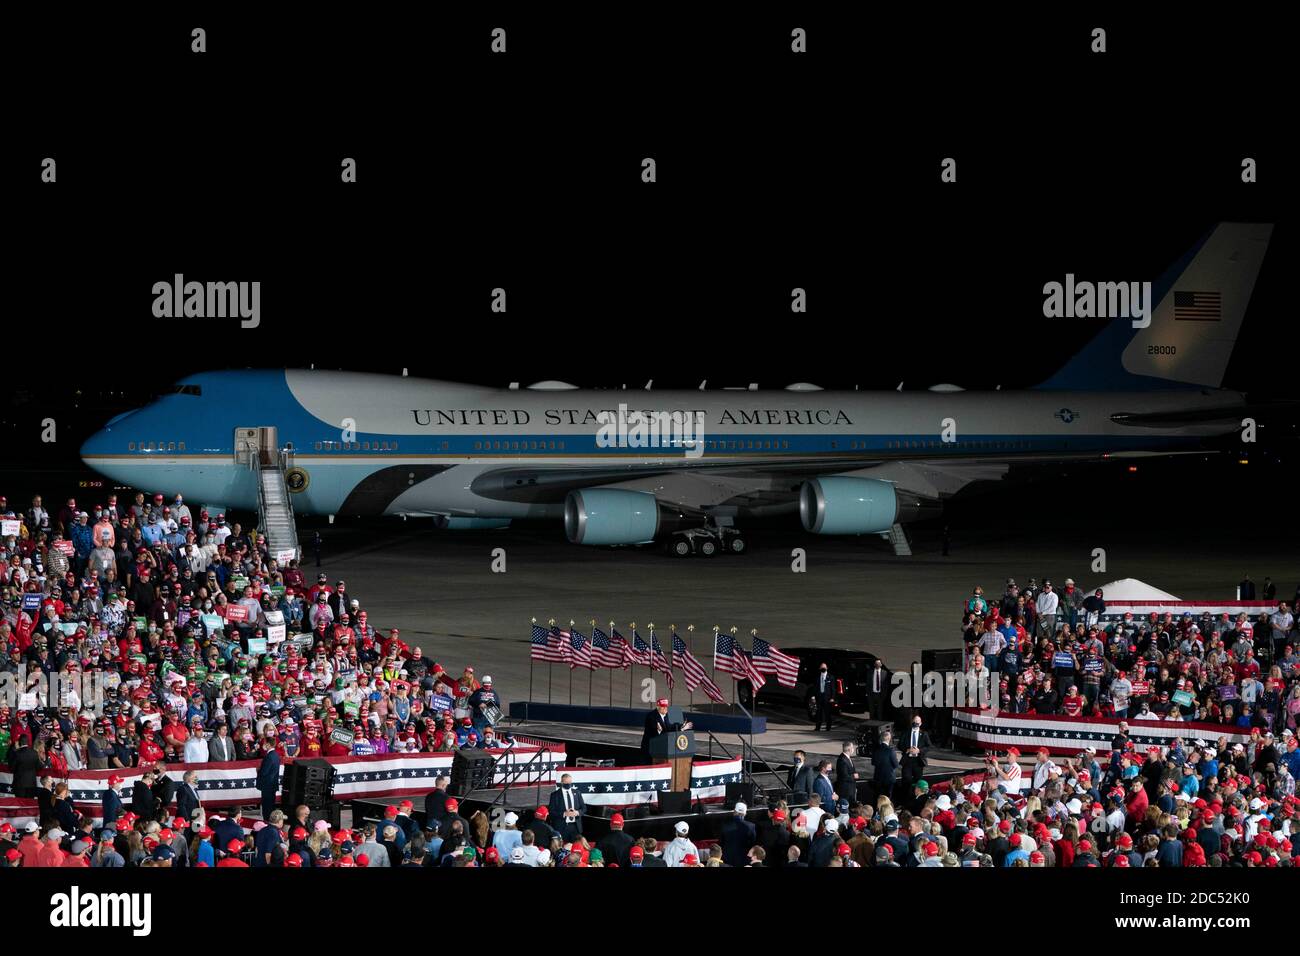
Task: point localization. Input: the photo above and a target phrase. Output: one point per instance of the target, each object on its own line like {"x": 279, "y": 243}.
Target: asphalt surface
{"x": 439, "y": 588}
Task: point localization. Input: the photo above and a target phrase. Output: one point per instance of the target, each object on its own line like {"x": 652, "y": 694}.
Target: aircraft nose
{"x": 106, "y": 441}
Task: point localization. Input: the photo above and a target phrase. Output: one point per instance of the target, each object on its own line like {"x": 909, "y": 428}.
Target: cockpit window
{"x": 184, "y": 390}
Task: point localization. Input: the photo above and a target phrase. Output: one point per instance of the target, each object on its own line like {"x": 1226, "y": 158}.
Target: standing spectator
{"x": 1047, "y": 604}
{"x": 824, "y": 697}
{"x": 916, "y": 746}
{"x": 884, "y": 766}
{"x": 676, "y": 852}
{"x": 566, "y": 806}
{"x": 737, "y": 835}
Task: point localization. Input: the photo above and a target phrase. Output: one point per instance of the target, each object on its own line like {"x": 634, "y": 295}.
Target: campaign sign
{"x": 1181, "y": 698}
{"x": 1227, "y": 692}
{"x": 10, "y": 526}
{"x": 257, "y": 645}
{"x": 1062, "y": 659}
{"x": 274, "y": 633}
{"x": 213, "y": 622}
{"x": 31, "y": 602}
{"x": 439, "y": 703}
{"x": 65, "y": 547}
{"x": 342, "y": 735}
{"x": 1141, "y": 687}
{"x": 1092, "y": 665}
{"x": 284, "y": 557}
{"x": 236, "y": 614}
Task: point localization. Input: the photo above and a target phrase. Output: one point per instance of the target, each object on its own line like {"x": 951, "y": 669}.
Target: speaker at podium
{"x": 677, "y": 749}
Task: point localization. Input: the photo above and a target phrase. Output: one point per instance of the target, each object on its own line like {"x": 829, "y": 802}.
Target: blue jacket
{"x": 822, "y": 787}
{"x": 112, "y": 807}
{"x": 1170, "y": 853}
{"x": 268, "y": 774}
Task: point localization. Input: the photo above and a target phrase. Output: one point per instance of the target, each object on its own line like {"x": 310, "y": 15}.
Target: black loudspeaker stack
{"x": 308, "y": 781}
{"x": 471, "y": 770}
{"x": 743, "y": 792}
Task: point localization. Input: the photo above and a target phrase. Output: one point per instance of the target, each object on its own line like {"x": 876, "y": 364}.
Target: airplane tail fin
{"x": 1199, "y": 304}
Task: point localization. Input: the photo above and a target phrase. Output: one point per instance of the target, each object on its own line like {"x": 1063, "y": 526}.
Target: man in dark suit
{"x": 800, "y": 777}
{"x": 26, "y": 766}
{"x": 143, "y": 802}
{"x": 846, "y": 778}
{"x": 877, "y": 690}
{"x": 737, "y": 836}
{"x": 656, "y": 723}
{"x": 775, "y": 839}
{"x": 915, "y": 746}
{"x": 112, "y": 802}
{"x": 164, "y": 787}
{"x": 268, "y": 781}
{"x": 451, "y": 813}
{"x": 884, "y": 766}
{"x": 566, "y": 808}
{"x": 823, "y": 690}
{"x": 187, "y": 796}
{"x": 435, "y": 803}
{"x": 614, "y": 846}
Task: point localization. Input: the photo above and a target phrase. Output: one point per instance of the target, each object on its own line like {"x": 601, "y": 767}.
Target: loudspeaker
{"x": 471, "y": 770}
{"x": 868, "y": 736}
{"x": 942, "y": 661}
{"x": 308, "y": 781}
{"x": 674, "y": 803}
{"x": 740, "y": 791}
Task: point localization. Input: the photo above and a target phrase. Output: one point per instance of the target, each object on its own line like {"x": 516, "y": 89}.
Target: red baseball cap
{"x": 662, "y": 702}
{"x": 636, "y": 853}
{"x": 235, "y": 846}
{"x": 616, "y": 820}
{"x": 541, "y": 813}
{"x": 453, "y": 804}
{"x": 843, "y": 849}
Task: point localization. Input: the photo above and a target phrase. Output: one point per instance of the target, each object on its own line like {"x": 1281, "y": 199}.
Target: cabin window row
{"x": 155, "y": 446}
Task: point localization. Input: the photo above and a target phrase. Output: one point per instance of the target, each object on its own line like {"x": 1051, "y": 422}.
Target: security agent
{"x": 656, "y": 723}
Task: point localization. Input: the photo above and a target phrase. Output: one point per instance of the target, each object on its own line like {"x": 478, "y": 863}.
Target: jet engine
{"x": 843, "y": 505}
{"x": 610, "y": 516}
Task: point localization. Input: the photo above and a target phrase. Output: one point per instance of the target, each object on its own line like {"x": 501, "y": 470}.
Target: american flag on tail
{"x": 659, "y": 662}
{"x": 769, "y": 660}
{"x": 577, "y": 650}
{"x": 604, "y": 654}
{"x": 546, "y": 645}
{"x": 639, "y": 651}
{"x": 694, "y": 671}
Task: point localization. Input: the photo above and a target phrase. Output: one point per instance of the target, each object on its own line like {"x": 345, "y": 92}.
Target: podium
{"x": 677, "y": 749}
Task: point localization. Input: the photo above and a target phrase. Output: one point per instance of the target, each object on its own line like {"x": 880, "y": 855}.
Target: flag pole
{"x": 672, "y": 691}
{"x": 591, "y": 671}
{"x": 530, "y": 667}
{"x": 550, "y": 664}
{"x": 690, "y": 632}
{"x": 734, "y": 648}
{"x": 611, "y": 670}
{"x": 631, "y": 670}
{"x": 714, "y": 665}
{"x": 572, "y": 625}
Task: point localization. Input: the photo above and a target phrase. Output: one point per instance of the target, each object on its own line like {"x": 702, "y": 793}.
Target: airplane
{"x": 848, "y": 462}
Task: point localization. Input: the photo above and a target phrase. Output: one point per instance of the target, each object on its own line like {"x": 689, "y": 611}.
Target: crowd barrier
{"x": 989, "y": 730}
{"x": 376, "y": 775}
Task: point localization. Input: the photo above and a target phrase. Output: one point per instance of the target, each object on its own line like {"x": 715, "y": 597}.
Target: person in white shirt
{"x": 677, "y": 850}
{"x": 1047, "y": 604}
{"x": 196, "y": 746}
{"x": 814, "y": 812}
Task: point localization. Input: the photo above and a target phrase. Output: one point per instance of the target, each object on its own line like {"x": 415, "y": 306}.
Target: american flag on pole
{"x": 603, "y": 653}
{"x": 694, "y": 671}
{"x": 639, "y": 650}
{"x": 624, "y": 652}
{"x": 545, "y": 645}
{"x": 747, "y": 671}
{"x": 724, "y": 658}
{"x": 577, "y": 651}
{"x": 659, "y": 662}
{"x": 769, "y": 660}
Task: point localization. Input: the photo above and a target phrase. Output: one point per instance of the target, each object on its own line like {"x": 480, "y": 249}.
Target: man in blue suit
{"x": 112, "y": 802}
{"x": 268, "y": 781}
{"x": 822, "y": 785}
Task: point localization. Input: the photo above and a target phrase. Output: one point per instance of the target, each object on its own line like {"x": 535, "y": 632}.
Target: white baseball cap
{"x": 832, "y": 824}
{"x": 487, "y": 679}
{"x": 517, "y": 855}
{"x": 741, "y": 808}
{"x": 511, "y": 818}
{"x": 682, "y": 827}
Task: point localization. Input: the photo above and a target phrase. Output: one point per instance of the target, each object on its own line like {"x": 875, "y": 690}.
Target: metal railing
{"x": 515, "y": 771}
{"x": 749, "y": 757}
{"x": 283, "y": 460}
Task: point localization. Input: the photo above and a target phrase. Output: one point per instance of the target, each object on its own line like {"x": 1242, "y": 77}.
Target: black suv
{"x": 849, "y": 668}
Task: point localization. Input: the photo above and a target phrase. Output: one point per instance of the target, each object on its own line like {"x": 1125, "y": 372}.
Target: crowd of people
{"x": 145, "y": 596}
{"x": 206, "y": 650}
{"x": 1060, "y": 652}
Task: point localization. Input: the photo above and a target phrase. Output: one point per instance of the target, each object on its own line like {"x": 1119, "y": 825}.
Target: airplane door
{"x": 256, "y": 444}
